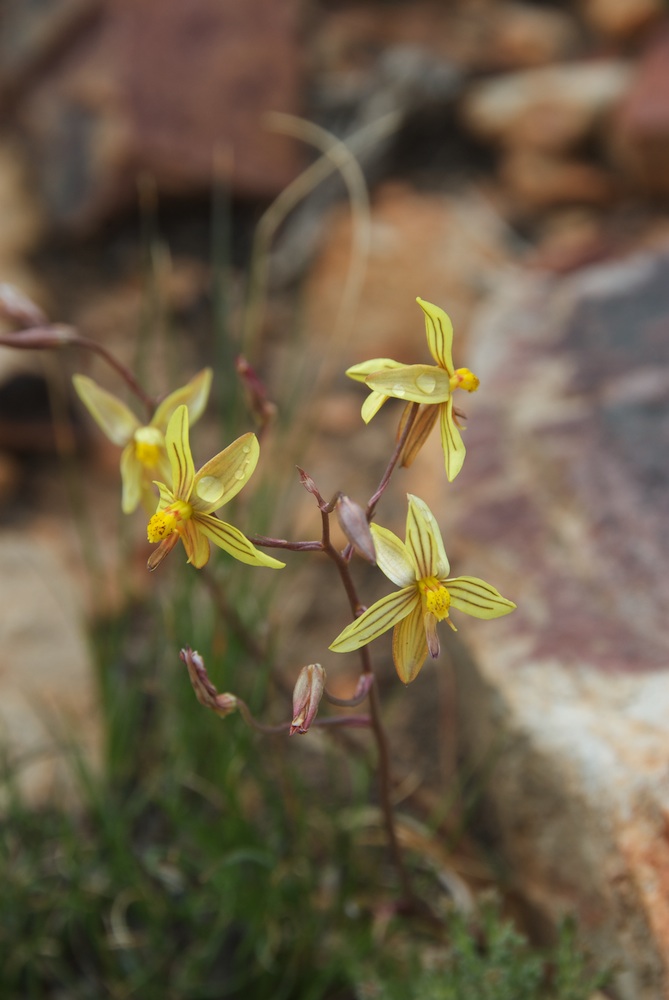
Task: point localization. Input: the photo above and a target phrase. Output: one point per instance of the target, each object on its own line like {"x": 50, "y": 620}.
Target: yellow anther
{"x": 464, "y": 379}
{"x": 165, "y": 522}
{"x": 436, "y": 599}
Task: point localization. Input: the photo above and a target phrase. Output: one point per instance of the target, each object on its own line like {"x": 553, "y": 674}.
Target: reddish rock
{"x": 622, "y": 19}
{"x": 641, "y": 138}
{"x": 538, "y": 181}
{"x": 170, "y": 90}
{"x": 562, "y": 502}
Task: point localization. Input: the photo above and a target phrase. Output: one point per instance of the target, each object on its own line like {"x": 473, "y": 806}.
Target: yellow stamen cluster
{"x": 165, "y": 522}
{"x": 436, "y": 599}
{"x": 464, "y": 379}
{"x": 147, "y": 454}
{"x": 149, "y": 446}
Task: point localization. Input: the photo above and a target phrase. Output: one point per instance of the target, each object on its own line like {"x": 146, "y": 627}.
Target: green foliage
{"x": 490, "y": 962}
{"x": 204, "y": 863}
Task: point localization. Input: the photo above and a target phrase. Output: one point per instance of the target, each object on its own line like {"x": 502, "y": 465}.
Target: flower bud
{"x": 306, "y": 697}
{"x": 205, "y": 692}
{"x": 353, "y": 522}
{"x": 308, "y": 483}
{"x": 261, "y": 407}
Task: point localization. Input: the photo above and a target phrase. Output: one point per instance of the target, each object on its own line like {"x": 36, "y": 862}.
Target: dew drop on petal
{"x": 398, "y": 390}
{"x": 209, "y": 489}
{"x": 239, "y": 474}
{"x": 246, "y": 449}
{"x": 426, "y": 383}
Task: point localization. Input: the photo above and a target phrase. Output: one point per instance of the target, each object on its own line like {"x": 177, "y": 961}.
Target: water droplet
{"x": 239, "y": 474}
{"x": 246, "y": 449}
{"x": 209, "y": 489}
{"x": 398, "y": 390}
{"x": 426, "y": 383}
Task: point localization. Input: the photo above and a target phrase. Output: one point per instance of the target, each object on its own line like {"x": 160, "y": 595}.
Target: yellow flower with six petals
{"x": 420, "y": 568}
{"x": 144, "y": 458}
{"x": 186, "y": 511}
{"x": 430, "y": 385}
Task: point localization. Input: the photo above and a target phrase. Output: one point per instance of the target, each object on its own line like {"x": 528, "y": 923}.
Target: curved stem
{"x": 394, "y": 458}
{"x": 380, "y": 738}
{"x": 282, "y": 543}
{"x": 121, "y": 369}
{"x": 58, "y": 335}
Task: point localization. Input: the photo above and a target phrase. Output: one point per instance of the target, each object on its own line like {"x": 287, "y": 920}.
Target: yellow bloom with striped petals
{"x": 420, "y": 568}
{"x": 186, "y": 510}
{"x": 430, "y": 385}
{"x": 144, "y": 458}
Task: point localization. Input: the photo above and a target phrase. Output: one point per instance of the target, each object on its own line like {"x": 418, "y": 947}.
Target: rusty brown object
{"x": 641, "y": 136}
{"x": 161, "y": 89}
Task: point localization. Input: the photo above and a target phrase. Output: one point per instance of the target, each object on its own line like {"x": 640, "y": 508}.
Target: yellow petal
{"x": 414, "y": 383}
{"x": 193, "y": 395}
{"x": 376, "y": 620}
{"x": 165, "y": 495}
{"x": 439, "y": 330}
{"x": 111, "y": 415}
{"x": 409, "y": 645}
{"x": 375, "y": 400}
{"x": 372, "y": 405}
{"x": 360, "y": 372}
{"x": 424, "y": 540}
{"x": 451, "y": 442}
{"x": 196, "y": 544}
{"x": 132, "y": 477}
{"x": 234, "y": 542}
{"x": 178, "y": 451}
{"x": 223, "y": 476}
{"x": 392, "y": 556}
{"x": 477, "y": 598}
{"x": 419, "y": 432}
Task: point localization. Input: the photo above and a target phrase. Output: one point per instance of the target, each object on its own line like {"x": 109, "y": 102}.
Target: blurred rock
{"x": 571, "y": 238}
{"x": 551, "y": 109}
{"x": 22, "y": 224}
{"x": 478, "y": 35}
{"x": 48, "y": 693}
{"x": 515, "y": 35}
{"x": 537, "y": 181}
{"x": 562, "y": 504}
{"x": 171, "y": 90}
{"x": 622, "y": 19}
{"x": 641, "y": 135}
{"x": 442, "y": 248}
{"x": 10, "y": 478}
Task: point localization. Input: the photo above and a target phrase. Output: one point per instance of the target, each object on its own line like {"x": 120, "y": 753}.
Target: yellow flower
{"x": 420, "y": 568}
{"x": 430, "y": 385}
{"x": 186, "y": 511}
{"x": 144, "y": 458}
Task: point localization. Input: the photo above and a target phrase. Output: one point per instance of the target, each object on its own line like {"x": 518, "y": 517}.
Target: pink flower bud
{"x": 262, "y": 408}
{"x": 205, "y": 692}
{"x": 353, "y": 521}
{"x": 306, "y": 697}
{"x": 308, "y": 483}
